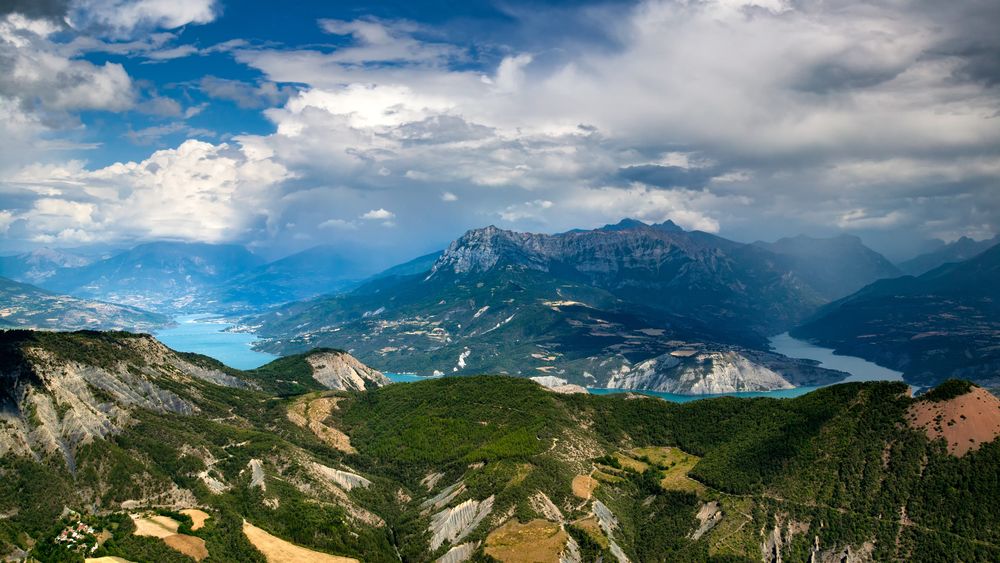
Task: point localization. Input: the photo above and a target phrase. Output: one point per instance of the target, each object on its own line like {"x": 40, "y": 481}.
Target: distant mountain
{"x": 582, "y": 305}
{"x": 944, "y": 323}
{"x": 26, "y": 306}
{"x": 419, "y": 265}
{"x": 957, "y": 251}
{"x": 160, "y": 276}
{"x": 117, "y": 447}
{"x": 834, "y": 267}
{"x": 312, "y": 272}
{"x": 39, "y": 265}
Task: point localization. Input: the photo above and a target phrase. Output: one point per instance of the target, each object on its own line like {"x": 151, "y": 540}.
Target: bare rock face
{"x": 702, "y": 373}
{"x": 453, "y": 524}
{"x": 342, "y": 371}
{"x": 55, "y": 398}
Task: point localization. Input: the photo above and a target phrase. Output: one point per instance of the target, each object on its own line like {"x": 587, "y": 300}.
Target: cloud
{"x": 245, "y": 94}
{"x": 448, "y": 197}
{"x": 338, "y": 224}
{"x": 379, "y": 214}
{"x": 197, "y": 191}
{"x": 124, "y": 18}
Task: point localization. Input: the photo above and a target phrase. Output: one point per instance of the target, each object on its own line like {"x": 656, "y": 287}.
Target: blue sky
{"x": 387, "y": 129}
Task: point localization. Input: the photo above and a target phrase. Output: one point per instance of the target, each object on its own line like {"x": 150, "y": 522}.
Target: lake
{"x": 860, "y": 370}
{"x": 205, "y": 334}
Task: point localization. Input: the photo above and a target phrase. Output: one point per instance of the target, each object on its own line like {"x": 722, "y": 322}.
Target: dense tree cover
{"x": 948, "y": 389}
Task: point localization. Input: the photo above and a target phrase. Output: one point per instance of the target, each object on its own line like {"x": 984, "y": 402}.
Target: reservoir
{"x": 205, "y": 334}
{"x": 860, "y": 369}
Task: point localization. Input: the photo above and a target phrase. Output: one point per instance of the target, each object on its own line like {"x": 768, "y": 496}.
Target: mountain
{"x": 159, "y": 276}
{"x": 114, "y": 441}
{"x": 312, "y": 272}
{"x": 26, "y": 306}
{"x": 834, "y": 267}
{"x": 957, "y": 251}
{"x": 419, "y": 265}
{"x": 944, "y": 323}
{"x": 39, "y": 265}
{"x": 582, "y": 305}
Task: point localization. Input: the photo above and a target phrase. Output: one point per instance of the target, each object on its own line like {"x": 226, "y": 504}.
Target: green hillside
{"x": 373, "y": 474}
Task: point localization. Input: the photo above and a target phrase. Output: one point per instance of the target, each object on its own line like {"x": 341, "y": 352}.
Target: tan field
{"x": 538, "y": 541}
{"x": 277, "y": 550}
{"x": 188, "y": 545}
{"x": 675, "y": 465}
{"x": 165, "y": 528}
{"x": 584, "y": 486}
{"x": 154, "y": 525}
{"x": 198, "y": 517}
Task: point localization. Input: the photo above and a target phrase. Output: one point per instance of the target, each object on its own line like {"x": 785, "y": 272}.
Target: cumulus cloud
{"x": 245, "y": 94}
{"x": 197, "y": 191}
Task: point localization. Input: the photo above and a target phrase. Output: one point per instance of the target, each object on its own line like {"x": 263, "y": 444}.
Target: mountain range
{"x": 26, "y": 306}
{"x": 589, "y": 307}
{"x": 113, "y": 445}
{"x": 944, "y": 323}
{"x": 955, "y": 251}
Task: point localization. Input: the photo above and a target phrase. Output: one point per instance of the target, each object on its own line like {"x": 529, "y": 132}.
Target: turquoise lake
{"x": 207, "y": 335}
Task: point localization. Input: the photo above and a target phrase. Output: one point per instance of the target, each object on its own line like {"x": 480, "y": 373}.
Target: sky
{"x": 387, "y": 129}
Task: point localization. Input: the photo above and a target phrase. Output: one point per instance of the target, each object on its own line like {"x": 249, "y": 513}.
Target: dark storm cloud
{"x": 54, "y": 10}
{"x": 667, "y": 176}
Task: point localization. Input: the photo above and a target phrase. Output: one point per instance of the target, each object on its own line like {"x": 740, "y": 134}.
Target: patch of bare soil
{"x": 277, "y": 550}
{"x": 584, "y": 486}
{"x": 965, "y": 422}
{"x": 534, "y": 542}
{"x": 312, "y": 414}
{"x": 154, "y": 525}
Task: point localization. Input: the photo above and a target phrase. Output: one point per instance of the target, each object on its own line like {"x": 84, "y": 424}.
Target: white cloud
{"x": 198, "y": 191}
{"x": 337, "y": 224}
{"x": 122, "y": 18}
{"x": 379, "y": 215}
{"x": 448, "y": 197}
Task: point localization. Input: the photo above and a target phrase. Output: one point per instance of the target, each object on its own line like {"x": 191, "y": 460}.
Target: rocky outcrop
{"x": 700, "y": 373}
{"x": 459, "y": 553}
{"x": 342, "y": 371}
{"x": 708, "y": 516}
{"x": 453, "y": 524}
{"x": 344, "y": 479}
{"x": 558, "y": 384}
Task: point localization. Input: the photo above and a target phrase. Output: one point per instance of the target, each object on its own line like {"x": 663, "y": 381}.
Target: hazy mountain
{"x": 957, "y": 251}
{"x": 834, "y": 267}
{"x": 419, "y": 265}
{"x": 583, "y": 305}
{"x": 312, "y": 272}
{"x": 943, "y": 323}
{"x": 39, "y": 265}
{"x": 162, "y": 276}
{"x": 26, "y": 306}
{"x": 122, "y": 436}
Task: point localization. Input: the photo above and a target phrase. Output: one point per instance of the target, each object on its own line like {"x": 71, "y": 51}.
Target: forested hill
{"x": 113, "y": 426}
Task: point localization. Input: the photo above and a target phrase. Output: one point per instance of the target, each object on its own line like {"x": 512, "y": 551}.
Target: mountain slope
{"x": 582, "y": 305}
{"x": 835, "y": 267}
{"x": 944, "y": 323}
{"x": 38, "y": 265}
{"x": 112, "y": 423}
{"x": 160, "y": 276}
{"x": 26, "y": 306}
{"x": 309, "y": 273}
{"x": 957, "y": 251}
{"x": 467, "y": 467}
